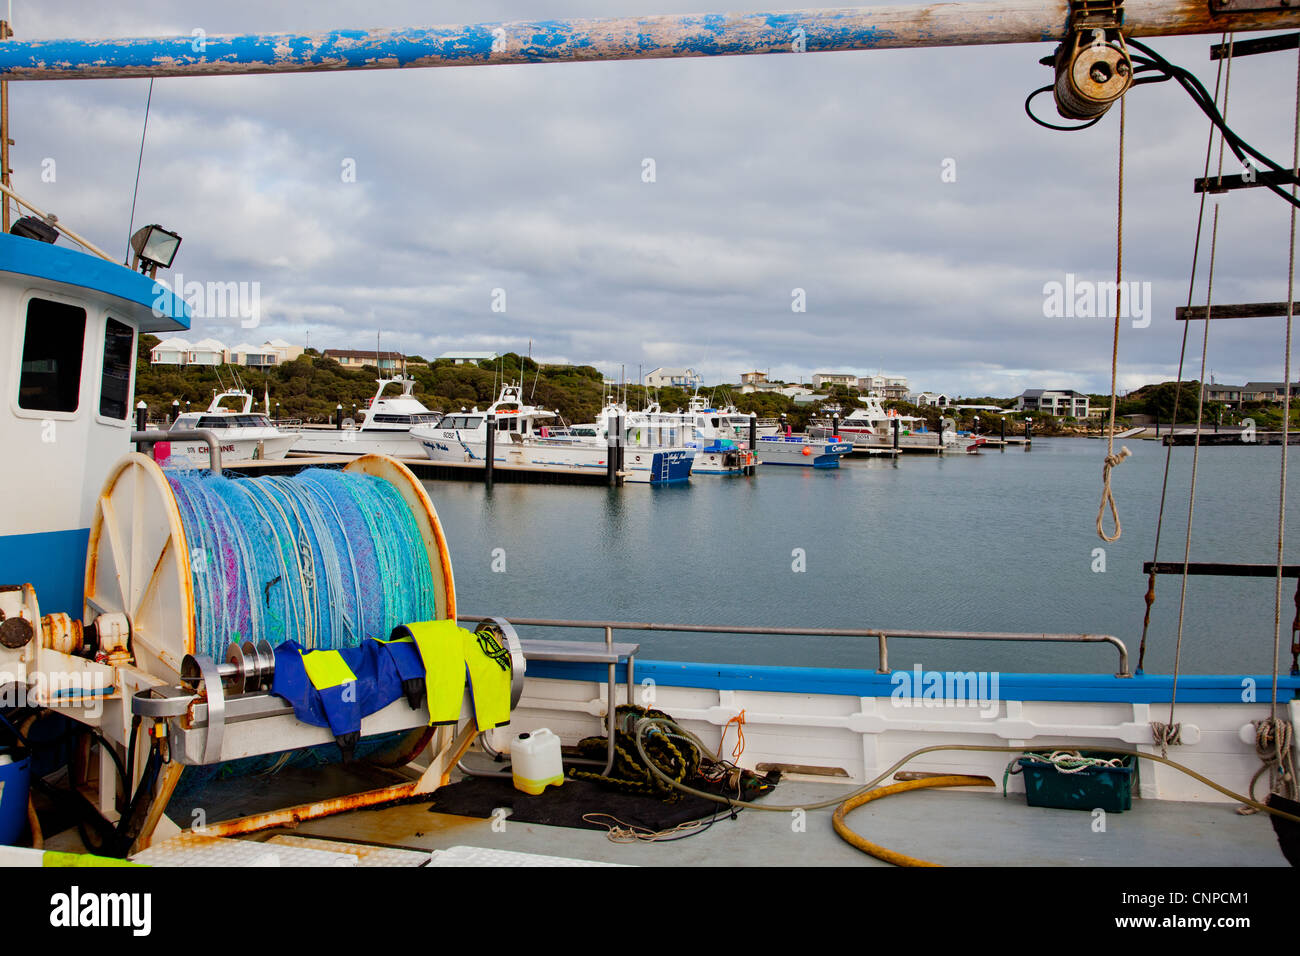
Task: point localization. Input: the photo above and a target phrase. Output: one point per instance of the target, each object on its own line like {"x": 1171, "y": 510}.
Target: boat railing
{"x": 145, "y": 440}
{"x": 882, "y": 635}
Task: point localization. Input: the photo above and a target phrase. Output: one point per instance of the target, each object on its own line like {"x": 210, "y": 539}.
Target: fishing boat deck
{"x": 965, "y": 829}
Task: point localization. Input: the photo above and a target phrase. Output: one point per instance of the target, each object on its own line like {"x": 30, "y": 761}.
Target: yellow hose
{"x": 879, "y": 852}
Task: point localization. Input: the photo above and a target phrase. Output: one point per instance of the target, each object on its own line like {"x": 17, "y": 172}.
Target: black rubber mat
{"x": 564, "y": 806}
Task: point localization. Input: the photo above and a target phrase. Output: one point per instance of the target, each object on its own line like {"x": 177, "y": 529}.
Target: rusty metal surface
{"x": 608, "y": 38}
{"x": 290, "y": 816}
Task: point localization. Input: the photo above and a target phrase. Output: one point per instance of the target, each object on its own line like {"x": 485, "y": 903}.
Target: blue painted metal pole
{"x": 608, "y": 38}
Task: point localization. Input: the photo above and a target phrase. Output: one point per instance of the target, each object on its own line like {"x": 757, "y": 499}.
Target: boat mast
{"x": 622, "y": 38}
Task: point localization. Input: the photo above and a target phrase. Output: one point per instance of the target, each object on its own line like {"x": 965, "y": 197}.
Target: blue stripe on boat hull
{"x": 1146, "y": 689}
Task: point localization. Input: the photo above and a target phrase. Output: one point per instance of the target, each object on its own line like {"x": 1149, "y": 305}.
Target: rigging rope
{"x": 1196, "y": 451}
{"x": 1112, "y": 459}
{"x": 1286, "y": 401}
{"x": 1178, "y": 387}
{"x": 1273, "y": 734}
{"x": 130, "y": 229}
{"x": 324, "y": 558}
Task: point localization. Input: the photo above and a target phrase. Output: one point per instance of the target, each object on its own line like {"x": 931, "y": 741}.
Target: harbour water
{"x": 999, "y": 541}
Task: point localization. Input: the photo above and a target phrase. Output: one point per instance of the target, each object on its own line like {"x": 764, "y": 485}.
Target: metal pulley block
{"x": 1093, "y": 67}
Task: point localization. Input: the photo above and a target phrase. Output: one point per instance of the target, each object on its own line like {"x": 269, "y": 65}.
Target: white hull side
{"x": 322, "y": 442}
{"x": 239, "y": 449}
{"x": 638, "y": 463}
{"x": 865, "y": 736}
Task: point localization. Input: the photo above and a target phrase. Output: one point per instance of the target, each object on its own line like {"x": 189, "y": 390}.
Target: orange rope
{"x": 739, "y": 721}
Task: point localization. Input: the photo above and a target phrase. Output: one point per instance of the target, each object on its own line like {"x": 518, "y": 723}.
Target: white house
{"x": 670, "y": 377}
{"x": 776, "y": 387}
{"x": 794, "y": 391}
{"x": 207, "y": 352}
{"x": 254, "y": 356}
{"x": 935, "y": 399}
{"x": 834, "y": 378}
{"x": 1054, "y": 401}
{"x": 284, "y": 352}
{"x": 174, "y": 351}
{"x": 889, "y": 387}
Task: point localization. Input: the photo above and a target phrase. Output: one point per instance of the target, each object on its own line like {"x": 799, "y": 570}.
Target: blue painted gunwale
{"x": 1143, "y": 689}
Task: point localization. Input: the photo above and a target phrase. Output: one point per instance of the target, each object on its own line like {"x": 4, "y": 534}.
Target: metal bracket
{"x": 1096, "y": 15}
{"x": 196, "y": 669}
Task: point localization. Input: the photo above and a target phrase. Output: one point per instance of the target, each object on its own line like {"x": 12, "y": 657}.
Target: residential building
{"x": 254, "y": 356}
{"x": 891, "y": 388}
{"x": 753, "y": 378}
{"x": 1054, "y": 401}
{"x": 464, "y": 358}
{"x": 1224, "y": 393}
{"x": 673, "y": 377}
{"x": 207, "y": 352}
{"x": 762, "y": 387}
{"x": 931, "y": 399}
{"x": 834, "y": 378}
{"x": 284, "y": 352}
{"x": 356, "y": 358}
{"x": 172, "y": 351}
{"x": 1267, "y": 391}
{"x": 794, "y": 391}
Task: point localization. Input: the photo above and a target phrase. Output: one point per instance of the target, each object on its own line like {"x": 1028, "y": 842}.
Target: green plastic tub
{"x": 1108, "y": 788}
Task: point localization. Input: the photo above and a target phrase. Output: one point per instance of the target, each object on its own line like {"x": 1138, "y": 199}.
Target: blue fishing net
{"x": 324, "y": 558}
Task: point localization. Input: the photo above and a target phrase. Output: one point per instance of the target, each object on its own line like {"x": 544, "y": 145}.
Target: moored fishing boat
{"x": 526, "y": 437}
{"x": 802, "y": 451}
{"x": 245, "y": 434}
{"x": 385, "y": 427}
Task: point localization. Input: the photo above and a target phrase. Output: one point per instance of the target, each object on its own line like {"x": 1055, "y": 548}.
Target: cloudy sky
{"x": 821, "y": 172}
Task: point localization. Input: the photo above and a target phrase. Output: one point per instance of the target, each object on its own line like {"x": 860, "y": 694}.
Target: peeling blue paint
{"x": 525, "y": 42}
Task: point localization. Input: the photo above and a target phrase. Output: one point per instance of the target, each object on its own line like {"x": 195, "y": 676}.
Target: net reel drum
{"x": 140, "y": 647}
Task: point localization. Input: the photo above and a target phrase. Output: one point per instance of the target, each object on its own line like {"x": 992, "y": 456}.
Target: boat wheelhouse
{"x": 244, "y": 433}
{"x": 384, "y": 429}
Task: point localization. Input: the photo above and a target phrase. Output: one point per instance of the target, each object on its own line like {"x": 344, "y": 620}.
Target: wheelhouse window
{"x": 53, "y": 342}
{"x": 115, "y": 384}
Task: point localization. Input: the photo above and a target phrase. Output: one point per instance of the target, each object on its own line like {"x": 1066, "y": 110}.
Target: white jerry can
{"x": 535, "y": 761}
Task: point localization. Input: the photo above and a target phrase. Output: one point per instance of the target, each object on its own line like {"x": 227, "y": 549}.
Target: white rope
{"x": 1072, "y": 761}
{"x": 1112, "y": 459}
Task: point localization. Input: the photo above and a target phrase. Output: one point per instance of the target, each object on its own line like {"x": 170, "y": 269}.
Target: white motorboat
{"x": 245, "y": 434}
{"x": 525, "y": 438}
{"x": 385, "y": 427}
{"x": 872, "y": 426}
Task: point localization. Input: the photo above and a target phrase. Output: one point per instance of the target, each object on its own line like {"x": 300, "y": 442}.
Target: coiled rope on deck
{"x": 324, "y": 558}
